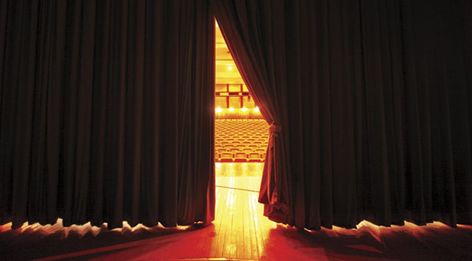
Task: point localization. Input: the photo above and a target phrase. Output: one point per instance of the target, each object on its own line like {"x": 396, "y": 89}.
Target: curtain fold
{"x": 371, "y": 103}
{"x": 105, "y": 112}
{"x": 262, "y": 66}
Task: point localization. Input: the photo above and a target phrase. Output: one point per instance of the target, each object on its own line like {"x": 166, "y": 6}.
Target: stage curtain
{"x": 106, "y": 112}
{"x": 371, "y": 106}
{"x": 264, "y": 72}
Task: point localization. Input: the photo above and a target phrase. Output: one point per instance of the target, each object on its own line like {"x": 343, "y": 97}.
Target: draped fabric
{"x": 264, "y": 72}
{"x": 372, "y": 106}
{"x": 106, "y": 112}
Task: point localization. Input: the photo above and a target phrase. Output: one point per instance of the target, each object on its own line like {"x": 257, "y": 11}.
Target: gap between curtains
{"x": 106, "y": 109}
{"x": 262, "y": 68}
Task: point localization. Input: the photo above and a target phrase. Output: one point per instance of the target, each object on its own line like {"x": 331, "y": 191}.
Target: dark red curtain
{"x": 370, "y": 107}
{"x": 263, "y": 68}
{"x": 106, "y": 112}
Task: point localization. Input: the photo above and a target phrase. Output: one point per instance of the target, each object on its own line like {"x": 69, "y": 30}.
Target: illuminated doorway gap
{"x": 241, "y": 133}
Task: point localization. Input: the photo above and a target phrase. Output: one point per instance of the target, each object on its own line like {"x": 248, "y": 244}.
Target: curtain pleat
{"x": 105, "y": 112}
{"x": 262, "y": 65}
{"x": 372, "y": 99}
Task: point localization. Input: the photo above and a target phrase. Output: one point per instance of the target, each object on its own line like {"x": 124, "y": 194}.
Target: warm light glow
{"x": 239, "y": 232}
{"x": 227, "y": 73}
{"x": 236, "y": 113}
{"x": 239, "y": 169}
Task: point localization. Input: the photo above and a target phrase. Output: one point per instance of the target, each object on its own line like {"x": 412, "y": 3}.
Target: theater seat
{"x": 240, "y": 140}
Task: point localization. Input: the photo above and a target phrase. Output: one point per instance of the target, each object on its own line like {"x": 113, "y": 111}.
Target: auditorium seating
{"x": 241, "y": 140}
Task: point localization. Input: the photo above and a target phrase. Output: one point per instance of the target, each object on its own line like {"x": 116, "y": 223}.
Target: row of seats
{"x": 239, "y": 157}
{"x": 241, "y": 140}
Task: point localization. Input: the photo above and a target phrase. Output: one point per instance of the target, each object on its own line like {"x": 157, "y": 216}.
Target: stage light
{"x": 231, "y": 109}
{"x": 256, "y": 109}
{"x": 244, "y": 109}
{"x": 229, "y": 68}
{"x": 218, "y": 110}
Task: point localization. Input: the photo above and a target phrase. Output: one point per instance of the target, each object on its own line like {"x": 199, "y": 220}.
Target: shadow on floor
{"x": 55, "y": 242}
{"x": 434, "y": 241}
{"x": 369, "y": 242}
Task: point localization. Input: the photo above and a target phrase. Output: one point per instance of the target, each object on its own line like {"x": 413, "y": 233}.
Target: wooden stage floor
{"x": 239, "y": 232}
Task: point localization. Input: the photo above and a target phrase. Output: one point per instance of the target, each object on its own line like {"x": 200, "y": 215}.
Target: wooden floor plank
{"x": 240, "y": 231}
